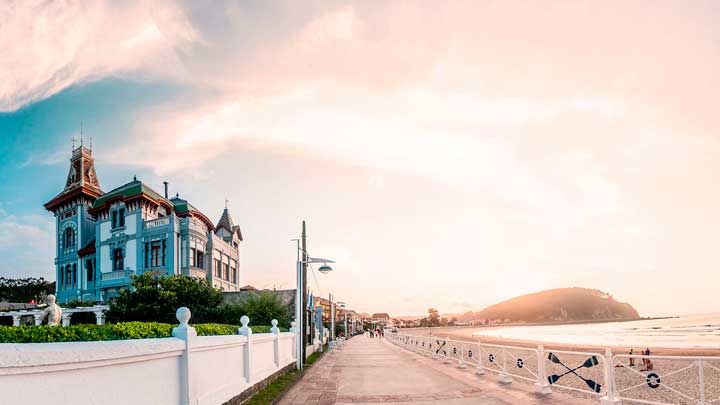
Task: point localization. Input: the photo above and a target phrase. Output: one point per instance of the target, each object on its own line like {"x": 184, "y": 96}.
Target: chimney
{"x": 166, "y": 184}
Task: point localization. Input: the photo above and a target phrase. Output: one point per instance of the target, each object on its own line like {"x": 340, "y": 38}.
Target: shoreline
{"x": 466, "y": 333}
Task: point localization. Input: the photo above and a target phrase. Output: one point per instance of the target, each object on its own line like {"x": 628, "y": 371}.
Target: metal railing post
{"x": 504, "y": 377}
{"x": 610, "y": 397}
{"x": 542, "y": 386}
{"x": 479, "y": 370}
{"x": 701, "y": 375}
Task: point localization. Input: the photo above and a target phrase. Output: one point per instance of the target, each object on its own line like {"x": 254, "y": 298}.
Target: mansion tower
{"x": 104, "y": 238}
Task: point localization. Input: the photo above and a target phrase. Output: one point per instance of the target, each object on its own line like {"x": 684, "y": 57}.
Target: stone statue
{"x": 53, "y": 312}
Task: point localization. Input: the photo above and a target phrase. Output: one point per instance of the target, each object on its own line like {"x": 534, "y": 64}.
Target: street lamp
{"x": 344, "y": 307}
{"x": 300, "y": 304}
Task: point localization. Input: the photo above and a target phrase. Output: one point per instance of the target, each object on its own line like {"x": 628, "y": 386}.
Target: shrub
{"x": 260, "y": 307}
{"x": 117, "y": 331}
{"x": 76, "y": 303}
{"x": 265, "y": 329}
{"x": 210, "y": 329}
{"x": 156, "y": 298}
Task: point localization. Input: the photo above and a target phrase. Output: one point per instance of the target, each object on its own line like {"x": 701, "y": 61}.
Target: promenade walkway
{"x": 376, "y": 371}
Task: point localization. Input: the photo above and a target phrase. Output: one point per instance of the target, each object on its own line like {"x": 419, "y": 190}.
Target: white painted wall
{"x": 104, "y": 231}
{"x": 143, "y": 371}
{"x": 131, "y": 224}
{"x": 104, "y": 261}
{"x": 130, "y": 258}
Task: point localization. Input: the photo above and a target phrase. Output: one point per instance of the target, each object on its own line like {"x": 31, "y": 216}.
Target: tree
{"x": 24, "y": 290}
{"x": 155, "y": 298}
{"x": 433, "y": 317}
{"x": 260, "y": 307}
{"x": 452, "y": 321}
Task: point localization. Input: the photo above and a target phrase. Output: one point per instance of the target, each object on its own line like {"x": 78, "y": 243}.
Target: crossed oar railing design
{"x": 591, "y": 362}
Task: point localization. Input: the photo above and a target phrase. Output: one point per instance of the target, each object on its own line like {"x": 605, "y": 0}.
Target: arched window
{"x": 69, "y": 237}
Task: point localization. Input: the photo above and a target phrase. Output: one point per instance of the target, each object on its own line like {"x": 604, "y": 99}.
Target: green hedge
{"x": 265, "y": 329}
{"x": 114, "y": 331}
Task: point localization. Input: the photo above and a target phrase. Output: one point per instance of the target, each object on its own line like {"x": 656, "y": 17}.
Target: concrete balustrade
{"x": 183, "y": 369}
{"x": 98, "y": 310}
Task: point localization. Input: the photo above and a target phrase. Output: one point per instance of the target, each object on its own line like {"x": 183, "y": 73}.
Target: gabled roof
{"x": 381, "y": 315}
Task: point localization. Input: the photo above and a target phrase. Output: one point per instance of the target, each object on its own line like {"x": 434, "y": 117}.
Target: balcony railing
{"x": 116, "y": 275}
{"x": 153, "y": 223}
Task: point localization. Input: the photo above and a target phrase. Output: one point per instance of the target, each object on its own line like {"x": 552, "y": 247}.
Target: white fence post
{"x": 276, "y": 343}
{"x": 505, "y": 378}
{"x": 293, "y": 330}
{"x": 245, "y": 330}
{"x": 610, "y": 397}
{"x": 38, "y": 319}
{"x": 701, "y": 375}
{"x": 542, "y": 386}
{"x": 479, "y": 370}
{"x": 186, "y": 333}
{"x": 16, "y": 319}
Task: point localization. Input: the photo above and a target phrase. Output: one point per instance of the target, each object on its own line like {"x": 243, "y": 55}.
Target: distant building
{"x": 104, "y": 238}
{"x": 380, "y": 318}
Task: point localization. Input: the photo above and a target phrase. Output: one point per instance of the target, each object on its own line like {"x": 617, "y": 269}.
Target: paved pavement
{"x": 369, "y": 371}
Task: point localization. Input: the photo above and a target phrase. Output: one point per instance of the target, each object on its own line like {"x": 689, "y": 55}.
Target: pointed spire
{"x": 226, "y": 220}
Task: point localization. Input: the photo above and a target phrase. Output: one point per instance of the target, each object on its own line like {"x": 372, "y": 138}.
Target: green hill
{"x": 560, "y": 304}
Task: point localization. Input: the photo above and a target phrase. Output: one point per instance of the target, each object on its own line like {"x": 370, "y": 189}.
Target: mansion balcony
{"x": 196, "y": 272}
{"x": 116, "y": 278}
{"x": 157, "y": 222}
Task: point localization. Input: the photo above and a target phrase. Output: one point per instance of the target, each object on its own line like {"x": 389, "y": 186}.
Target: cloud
{"x": 27, "y": 244}
{"x": 49, "y": 46}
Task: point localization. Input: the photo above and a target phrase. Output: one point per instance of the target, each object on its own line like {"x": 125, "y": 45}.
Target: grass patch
{"x": 282, "y": 384}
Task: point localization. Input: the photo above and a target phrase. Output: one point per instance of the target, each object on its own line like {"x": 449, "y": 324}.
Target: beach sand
{"x": 677, "y": 380}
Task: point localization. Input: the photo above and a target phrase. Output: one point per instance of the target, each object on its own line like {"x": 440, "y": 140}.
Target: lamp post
{"x": 301, "y": 293}
{"x": 344, "y": 307}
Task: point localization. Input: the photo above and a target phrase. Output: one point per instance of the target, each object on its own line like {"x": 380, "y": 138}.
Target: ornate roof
{"x": 81, "y": 179}
{"x": 184, "y": 209}
{"x": 227, "y": 223}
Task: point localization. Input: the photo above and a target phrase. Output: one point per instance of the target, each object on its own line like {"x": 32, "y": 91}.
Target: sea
{"x": 689, "y": 331}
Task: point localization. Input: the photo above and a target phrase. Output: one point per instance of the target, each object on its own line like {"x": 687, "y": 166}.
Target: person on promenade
{"x": 632, "y": 359}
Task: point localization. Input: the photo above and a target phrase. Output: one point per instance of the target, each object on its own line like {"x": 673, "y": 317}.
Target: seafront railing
{"x": 612, "y": 378}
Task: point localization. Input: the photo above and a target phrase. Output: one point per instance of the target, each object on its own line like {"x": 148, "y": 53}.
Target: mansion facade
{"x": 102, "y": 239}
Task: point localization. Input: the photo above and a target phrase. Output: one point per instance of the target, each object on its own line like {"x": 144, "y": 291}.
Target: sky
{"x": 444, "y": 154}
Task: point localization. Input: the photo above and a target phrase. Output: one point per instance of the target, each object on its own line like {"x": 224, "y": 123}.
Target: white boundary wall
{"x": 185, "y": 369}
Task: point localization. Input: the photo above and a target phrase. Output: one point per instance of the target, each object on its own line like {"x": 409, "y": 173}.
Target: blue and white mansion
{"x": 104, "y": 238}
